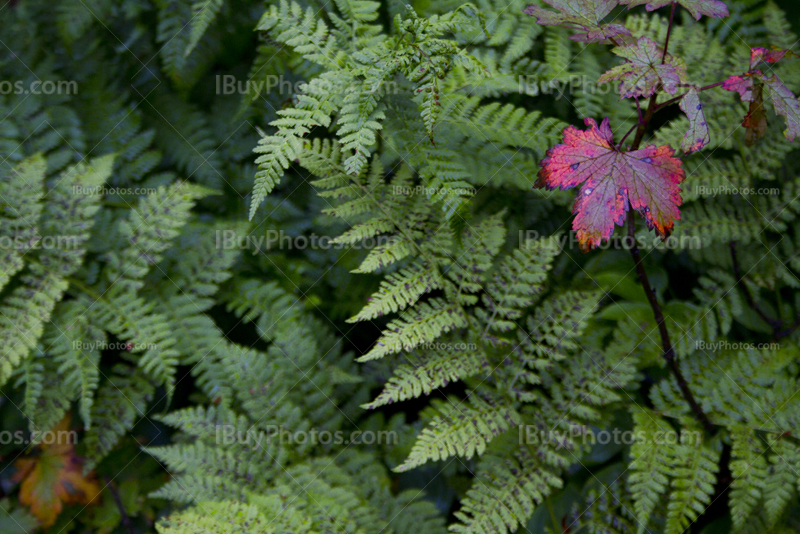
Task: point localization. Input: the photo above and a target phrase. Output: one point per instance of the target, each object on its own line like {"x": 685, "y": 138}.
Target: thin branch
{"x": 737, "y": 271}
{"x": 666, "y": 343}
{"x": 669, "y": 352}
{"x": 669, "y": 31}
{"x": 680, "y": 97}
{"x": 787, "y": 331}
{"x": 627, "y": 134}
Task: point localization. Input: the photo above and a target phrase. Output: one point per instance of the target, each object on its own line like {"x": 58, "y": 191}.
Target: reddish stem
{"x": 680, "y": 97}
{"x": 666, "y": 343}
{"x": 669, "y": 352}
{"x": 669, "y": 31}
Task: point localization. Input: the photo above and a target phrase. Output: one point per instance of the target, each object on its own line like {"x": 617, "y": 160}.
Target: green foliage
{"x": 153, "y": 284}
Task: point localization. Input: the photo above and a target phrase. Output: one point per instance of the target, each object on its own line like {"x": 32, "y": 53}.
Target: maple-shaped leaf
{"x": 584, "y": 13}
{"x": 785, "y": 104}
{"x": 698, "y": 8}
{"x": 54, "y": 477}
{"x": 647, "y": 180}
{"x": 698, "y": 135}
{"x": 642, "y": 74}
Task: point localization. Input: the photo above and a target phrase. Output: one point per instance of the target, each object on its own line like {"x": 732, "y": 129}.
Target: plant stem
{"x": 666, "y": 343}
{"x": 680, "y": 97}
{"x": 669, "y": 352}
{"x": 788, "y": 331}
{"x": 669, "y": 31}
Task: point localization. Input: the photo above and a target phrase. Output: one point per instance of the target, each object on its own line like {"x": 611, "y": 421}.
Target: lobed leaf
{"x": 646, "y": 180}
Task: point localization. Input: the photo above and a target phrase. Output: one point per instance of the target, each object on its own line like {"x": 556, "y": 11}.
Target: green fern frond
{"x": 651, "y": 464}
{"x": 205, "y": 11}
{"x": 509, "y": 483}
{"x": 428, "y": 372}
{"x": 695, "y": 464}
{"x": 424, "y": 324}
{"x": 749, "y": 469}
{"x": 460, "y": 430}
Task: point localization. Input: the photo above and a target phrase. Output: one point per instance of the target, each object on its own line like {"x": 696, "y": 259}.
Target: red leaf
{"x": 646, "y": 180}
{"x": 759, "y": 54}
{"x": 585, "y": 13}
{"x": 742, "y": 84}
{"x": 643, "y": 72}
{"x": 709, "y": 8}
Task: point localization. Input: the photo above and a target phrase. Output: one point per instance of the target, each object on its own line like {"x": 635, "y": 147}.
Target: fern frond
{"x": 399, "y": 291}
{"x": 651, "y": 464}
{"x": 423, "y": 324}
{"x": 695, "y": 465}
{"x": 460, "y": 430}
{"x": 428, "y": 372}
{"x": 121, "y": 400}
{"x": 205, "y": 11}
{"x": 748, "y": 469}
{"x": 509, "y": 483}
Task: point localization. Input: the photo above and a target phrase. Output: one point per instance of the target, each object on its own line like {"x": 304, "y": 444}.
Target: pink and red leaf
{"x": 759, "y": 54}
{"x": 647, "y": 180}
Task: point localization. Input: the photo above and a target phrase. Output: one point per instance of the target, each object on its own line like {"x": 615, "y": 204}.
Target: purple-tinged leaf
{"x": 749, "y": 86}
{"x": 742, "y": 84}
{"x": 584, "y": 13}
{"x": 643, "y": 73}
{"x": 698, "y": 136}
{"x": 646, "y": 180}
{"x": 709, "y": 8}
{"x": 786, "y": 105}
{"x": 602, "y": 33}
{"x": 759, "y": 54}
